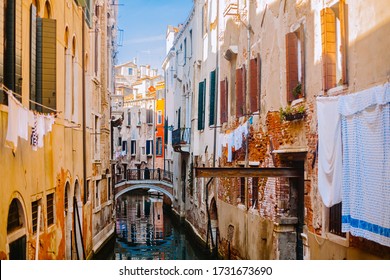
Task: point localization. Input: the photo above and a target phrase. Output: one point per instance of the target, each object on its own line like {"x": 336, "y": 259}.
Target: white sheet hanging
{"x": 329, "y": 150}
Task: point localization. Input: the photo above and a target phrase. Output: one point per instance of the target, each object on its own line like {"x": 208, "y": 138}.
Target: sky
{"x": 144, "y": 24}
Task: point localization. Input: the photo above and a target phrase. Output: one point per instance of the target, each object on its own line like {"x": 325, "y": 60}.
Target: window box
{"x": 290, "y": 114}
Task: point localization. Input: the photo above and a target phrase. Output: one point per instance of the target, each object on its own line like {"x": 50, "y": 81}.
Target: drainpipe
{"x": 249, "y": 29}
{"x": 84, "y": 113}
{"x": 38, "y": 232}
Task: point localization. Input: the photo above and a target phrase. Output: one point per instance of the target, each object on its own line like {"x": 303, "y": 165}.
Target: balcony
{"x": 181, "y": 139}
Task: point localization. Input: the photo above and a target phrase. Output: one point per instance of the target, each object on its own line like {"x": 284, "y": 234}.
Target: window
{"x": 11, "y": 41}
{"x": 97, "y": 193}
{"x": 185, "y": 51}
{"x": 295, "y": 64}
{"x": 96, "y": 138}
{"x": 120, "y": 141}
{"x": 201, "y": 104}
{"x": 130, "y": 71}
{"x": 97, "y": 39}
{"x": 35, "y": 205}
{"x": 86, "y": 191}
{"x": 149, "y": 115}
{"x": 129, "y": 118}
{"x": 14, "y": 220}
{"x": 50, "y": 209}
{"x": 335, "y": 220}
{"x": 212, "y": 99}
{"x": 242, "y": 190}
{"x": 254, "y": 84}
{"x": 255, "y": 192}
{"x": 124, "y": 147}
{"x": 333, "y": 28}
{"x": 224, "y": 93}
{"x": 205, "y": 19}
{"x": 191, "y": 43}
{"x": 46, "y": 63}
{"x": 240, "y": 91}
{"x": 159, "y": 117}
{"x": 149, "y": 147}
{"x": 133, "y": 147}
{"x": 159, "y": 146}
{"x": 109, "y": 189}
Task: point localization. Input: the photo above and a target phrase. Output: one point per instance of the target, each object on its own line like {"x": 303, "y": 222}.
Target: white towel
{"x": 11, "y": 140}
{"x": 329, "y": 150}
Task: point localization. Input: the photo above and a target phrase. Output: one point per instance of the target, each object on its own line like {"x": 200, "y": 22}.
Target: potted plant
{"x": 297, "y": 90}
{"x": 290, "y": 114}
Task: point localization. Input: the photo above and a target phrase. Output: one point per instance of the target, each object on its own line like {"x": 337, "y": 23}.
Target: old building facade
{"x": 56, "y": 188}
{"x": 258, "y": 79}
{"x": 139, "y": 104}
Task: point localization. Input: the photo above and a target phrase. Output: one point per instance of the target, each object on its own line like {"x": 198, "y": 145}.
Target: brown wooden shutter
{"x": 46, "y": 62}
{"x": 239, "y": 99}
{"x": 328, "y": 34}
{"x": 343, "y": 41}
{"x": 224, "y": 100}
{"x": 253, "y": 82}
{"x": 291, "y": 64}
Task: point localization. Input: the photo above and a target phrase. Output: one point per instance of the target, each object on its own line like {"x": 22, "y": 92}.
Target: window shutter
{"x": 147, "y": 147}
{"x": 33, "y": 55}
{"x": 18, "y": 46}
{"x": 328, "y": 34}
{"x": 253, "y": 90}
{"x": 46, "y": 62}
{"x": 9, "y": 51}
{"x": 291, "y": 64}
{"x": 224, "y": 100}
{"x": 239, "y": 89}
{"x": 259, "y": 81}
{"x": 212, "y": 99}
{"x": 243, "y": 89}
{"x": 1, "y": 42}
{"x": 200, "y": 106}
{"x": 343, "y": 41}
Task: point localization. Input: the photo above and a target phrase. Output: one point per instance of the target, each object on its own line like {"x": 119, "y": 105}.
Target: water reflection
{"x": 145, "y": 232}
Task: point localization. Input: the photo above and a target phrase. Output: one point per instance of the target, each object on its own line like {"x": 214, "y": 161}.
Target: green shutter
{"x": 212, "y": 99}
{"x": 46, "y": 62}
{"x": 200, "y": 106}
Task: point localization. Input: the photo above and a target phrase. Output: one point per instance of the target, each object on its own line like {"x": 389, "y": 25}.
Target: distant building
{"x": 139, "y": 103}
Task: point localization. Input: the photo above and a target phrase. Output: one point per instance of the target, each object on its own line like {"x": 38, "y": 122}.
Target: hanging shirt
{"x": 11, "y": 140}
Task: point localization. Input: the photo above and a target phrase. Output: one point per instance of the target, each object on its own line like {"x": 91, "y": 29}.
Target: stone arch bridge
{"x": 153, "y": 179}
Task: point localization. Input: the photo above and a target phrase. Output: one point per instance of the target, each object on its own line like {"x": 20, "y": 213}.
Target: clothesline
{"x": 8, "y": 91}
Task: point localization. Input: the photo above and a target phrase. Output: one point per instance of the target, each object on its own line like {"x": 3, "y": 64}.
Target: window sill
{"x": 342, "y": 241}
{"x": 337, "y": 90}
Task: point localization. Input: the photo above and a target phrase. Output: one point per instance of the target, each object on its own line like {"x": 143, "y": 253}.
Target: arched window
{"x": 16, "y": 231}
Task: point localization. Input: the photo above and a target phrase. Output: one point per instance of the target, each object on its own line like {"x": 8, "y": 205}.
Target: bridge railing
{"x": 149, "y": 174}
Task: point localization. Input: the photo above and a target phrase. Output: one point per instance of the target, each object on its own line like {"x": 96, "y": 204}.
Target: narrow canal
{"x": 147, "y": 230}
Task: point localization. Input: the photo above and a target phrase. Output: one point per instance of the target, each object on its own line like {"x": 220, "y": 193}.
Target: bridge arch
{"x": 144, "y": 186}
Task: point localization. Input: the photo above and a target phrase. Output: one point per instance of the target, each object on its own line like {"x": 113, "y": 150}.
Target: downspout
{"x": 249, "y": 29}
{"x": 84, "y": 113}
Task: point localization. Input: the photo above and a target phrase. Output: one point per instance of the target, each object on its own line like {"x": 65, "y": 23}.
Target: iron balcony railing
{"x": 149, "y": 174}
{"x": 181, "y": 136}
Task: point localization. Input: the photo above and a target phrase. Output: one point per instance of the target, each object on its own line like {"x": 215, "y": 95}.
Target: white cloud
{"x": 146, "y": 39}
